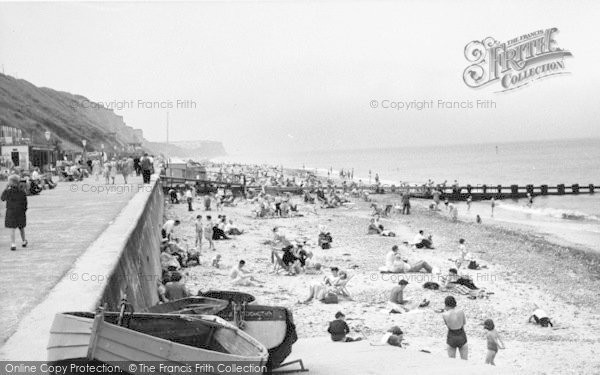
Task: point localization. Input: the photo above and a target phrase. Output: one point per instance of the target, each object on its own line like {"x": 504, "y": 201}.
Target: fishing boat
{"x": 112, "y": 337}
{"x": 273, "y": 326}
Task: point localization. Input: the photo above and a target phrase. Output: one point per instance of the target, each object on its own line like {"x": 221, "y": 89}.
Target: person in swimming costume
{"x": 455, "y": 321}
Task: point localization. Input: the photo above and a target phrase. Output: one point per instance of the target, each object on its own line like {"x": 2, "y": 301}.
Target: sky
{"x": 302, "y": 76}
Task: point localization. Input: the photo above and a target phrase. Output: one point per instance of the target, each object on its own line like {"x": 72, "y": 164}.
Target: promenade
{"x": 61, "y": 224}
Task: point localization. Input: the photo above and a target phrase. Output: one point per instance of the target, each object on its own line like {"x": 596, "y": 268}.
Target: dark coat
{"x": 16, "y": 206}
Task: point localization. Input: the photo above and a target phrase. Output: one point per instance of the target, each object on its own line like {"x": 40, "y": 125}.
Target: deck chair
{"x": 340, "y": 287}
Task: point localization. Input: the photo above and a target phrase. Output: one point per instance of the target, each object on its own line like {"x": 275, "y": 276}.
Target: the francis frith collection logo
{"x": 514, "y": 63}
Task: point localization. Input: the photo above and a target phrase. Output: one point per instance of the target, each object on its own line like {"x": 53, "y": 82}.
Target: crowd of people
{"x": 292, "y": 257}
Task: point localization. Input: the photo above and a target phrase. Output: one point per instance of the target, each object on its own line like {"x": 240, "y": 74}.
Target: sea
{"x": 569, "y": 219}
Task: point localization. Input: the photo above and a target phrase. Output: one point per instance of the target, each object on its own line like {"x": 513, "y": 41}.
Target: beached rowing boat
{"x": 196, "y": 305}
{"x": 168, "y": 338}
{"x": 273, "y": 326}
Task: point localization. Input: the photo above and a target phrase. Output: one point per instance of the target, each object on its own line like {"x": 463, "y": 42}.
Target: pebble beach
{"x": 523, "y": 270}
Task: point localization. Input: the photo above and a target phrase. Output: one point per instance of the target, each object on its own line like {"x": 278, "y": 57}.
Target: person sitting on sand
{"x": 421, "y": 241}
{"x": 232, "y": 229}
{"x": 397, "y": 303}
{"x": 391, "y": 259}
{"x": 216, "y": 261}
{"x": 400, "y": 265}
{"x": 338, "y": 329}
{"x": 168, "y": 261}
{"x": 463, "y": 254}
{"x": 455, "y": 320}
{"x": 394, "y": 337}
{"x": 176, "y": 289}
{"x": 373, "y": 228}
{"x": 325, "y": 239}
{"x": 240, "y": 276}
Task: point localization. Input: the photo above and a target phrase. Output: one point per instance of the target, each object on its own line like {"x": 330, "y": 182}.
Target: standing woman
{"x": 455, "y": 321}
{"x": 126, "y": 169}
{"x": 106, "y": 172}
{"x": 96, "y": 168}
{"x": 113, "y": 170}
{"x": 16, "y": 207}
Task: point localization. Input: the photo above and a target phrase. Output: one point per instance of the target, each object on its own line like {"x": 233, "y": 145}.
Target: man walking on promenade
{"x": 146, "y": 166}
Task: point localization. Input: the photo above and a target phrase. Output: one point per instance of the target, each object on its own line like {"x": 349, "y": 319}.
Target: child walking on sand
{"x": 338, "y": 329}
{"x": 493, "y": 342}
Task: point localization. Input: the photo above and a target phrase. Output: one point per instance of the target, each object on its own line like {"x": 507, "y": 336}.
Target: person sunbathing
{"x": 316, "y": 291}
{"x": 339, "y": 285}
{"x": 394, "y": 263}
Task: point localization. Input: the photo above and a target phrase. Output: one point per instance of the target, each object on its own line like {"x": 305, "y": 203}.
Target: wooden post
{"x": 575, "y": 188}
{"x": 591, "y": 187}
{"x": 514, "y": 190}
{"x": 544, "y": 189}
{"x": 529, "y": 189}
{"x": 96, "y": 327}
{"x": 560, "y": 188}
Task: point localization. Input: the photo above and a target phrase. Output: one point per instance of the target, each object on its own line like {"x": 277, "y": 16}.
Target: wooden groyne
{"x": 486, "y": 192}
{"x": 461, "y": 193}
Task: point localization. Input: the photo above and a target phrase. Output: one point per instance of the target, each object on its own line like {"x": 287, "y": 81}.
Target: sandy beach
{"x": 522, "y": 270}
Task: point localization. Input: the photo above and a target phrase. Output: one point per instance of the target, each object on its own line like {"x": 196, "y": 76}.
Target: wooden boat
{"x": 273, "y": 326}
{"x": 197, "y": 305}
{"x": 168, "y": 338}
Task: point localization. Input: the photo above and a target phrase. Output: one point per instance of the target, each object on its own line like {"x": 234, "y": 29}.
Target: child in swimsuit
{"x": 493, "y": 342}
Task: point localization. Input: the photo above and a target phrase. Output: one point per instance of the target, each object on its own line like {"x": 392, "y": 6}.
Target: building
{"x": 24, "y": 153}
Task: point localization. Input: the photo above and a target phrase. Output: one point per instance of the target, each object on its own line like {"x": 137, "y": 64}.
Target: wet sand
{"x": 523, "y": 269}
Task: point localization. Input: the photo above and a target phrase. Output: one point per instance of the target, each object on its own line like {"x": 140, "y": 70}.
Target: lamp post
{"x": 47, "y": 135}
{"x": 84, "y": 142}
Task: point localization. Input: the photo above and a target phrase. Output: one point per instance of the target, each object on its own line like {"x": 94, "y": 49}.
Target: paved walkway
{"x": 61, "y": 224}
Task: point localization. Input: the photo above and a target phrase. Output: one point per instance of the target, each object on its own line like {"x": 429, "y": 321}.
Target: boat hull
{"x": 272, "y": 326}
{"x": 166, "y": 338}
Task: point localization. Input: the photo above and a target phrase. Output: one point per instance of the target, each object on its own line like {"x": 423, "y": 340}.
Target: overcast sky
{"x": 300, "y": 76}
